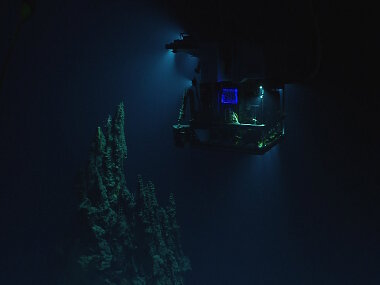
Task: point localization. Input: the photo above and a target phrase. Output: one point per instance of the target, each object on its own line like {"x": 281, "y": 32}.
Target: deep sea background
{"x": 304, "y": 213}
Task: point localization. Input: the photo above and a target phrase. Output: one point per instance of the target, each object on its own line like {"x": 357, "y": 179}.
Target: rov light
{"x": 261, "y": 91}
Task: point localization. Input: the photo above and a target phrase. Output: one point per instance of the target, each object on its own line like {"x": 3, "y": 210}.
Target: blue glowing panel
{"x": 229, "y": 96}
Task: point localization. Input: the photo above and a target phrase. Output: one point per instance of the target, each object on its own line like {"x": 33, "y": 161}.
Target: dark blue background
{"x": 304, "y": 213}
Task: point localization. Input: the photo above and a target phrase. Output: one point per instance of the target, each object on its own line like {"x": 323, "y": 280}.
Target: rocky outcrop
{"x": 128, "y": 237}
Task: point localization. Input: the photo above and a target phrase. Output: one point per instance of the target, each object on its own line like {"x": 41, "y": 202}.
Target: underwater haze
{"x": 306, "y": 212}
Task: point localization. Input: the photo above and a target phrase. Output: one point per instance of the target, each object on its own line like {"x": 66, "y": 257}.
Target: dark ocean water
{"x": 303, "y": 213}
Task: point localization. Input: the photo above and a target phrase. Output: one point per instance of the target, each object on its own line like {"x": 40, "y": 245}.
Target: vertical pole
{"x": 262, "y": 109}
{"x": 283, "y": 109}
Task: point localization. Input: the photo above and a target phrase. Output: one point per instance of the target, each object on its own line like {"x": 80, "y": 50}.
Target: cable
{"x": 314, "y": 73}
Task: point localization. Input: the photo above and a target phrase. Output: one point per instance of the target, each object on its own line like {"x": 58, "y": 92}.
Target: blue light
{"x": 229, "y": 96}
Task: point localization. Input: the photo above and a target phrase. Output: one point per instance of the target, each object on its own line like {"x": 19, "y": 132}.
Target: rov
{"x": 245, "y": 115}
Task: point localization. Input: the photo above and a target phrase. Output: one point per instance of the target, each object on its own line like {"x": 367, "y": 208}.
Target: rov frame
{"x": 246, "y": 117}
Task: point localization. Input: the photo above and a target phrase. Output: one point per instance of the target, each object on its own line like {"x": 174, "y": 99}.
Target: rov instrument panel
{"x": 247, "y": 116}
